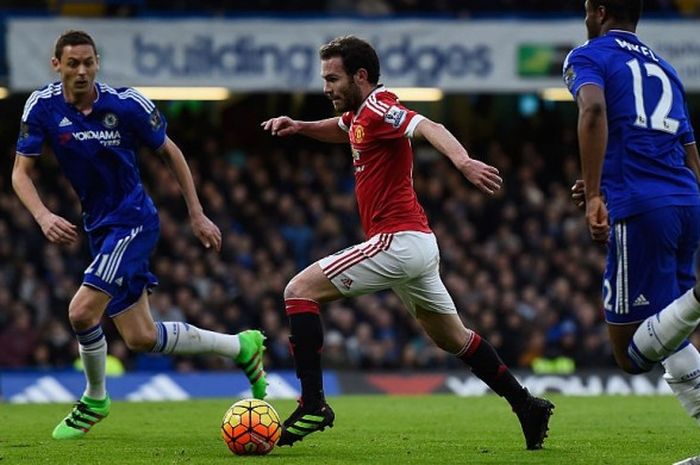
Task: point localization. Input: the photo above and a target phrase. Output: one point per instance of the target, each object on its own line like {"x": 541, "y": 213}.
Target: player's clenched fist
{"x": 598, "y": 219}
{"x": 281, "y": 126}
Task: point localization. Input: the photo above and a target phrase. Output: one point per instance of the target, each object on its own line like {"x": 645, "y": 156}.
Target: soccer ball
{"x": 251, "y": 427}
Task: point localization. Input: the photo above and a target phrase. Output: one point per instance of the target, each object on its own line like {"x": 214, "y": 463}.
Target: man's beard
{"x": 353, "y": 98}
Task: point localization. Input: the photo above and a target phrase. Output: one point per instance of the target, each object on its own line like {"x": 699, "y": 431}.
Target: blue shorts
{"x": 650, "y": 262}
{"x": 120, "y": 263}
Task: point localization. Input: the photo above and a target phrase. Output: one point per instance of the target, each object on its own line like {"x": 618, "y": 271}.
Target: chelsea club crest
{"x": 110, "y": 120}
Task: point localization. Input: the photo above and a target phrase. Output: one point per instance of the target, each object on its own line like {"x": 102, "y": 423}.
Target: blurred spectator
{"x": 18, "y": 340}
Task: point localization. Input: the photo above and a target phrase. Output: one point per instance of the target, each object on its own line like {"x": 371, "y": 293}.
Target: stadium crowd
{"x": 450, "y": 8}
{"x": 520, "y": 266}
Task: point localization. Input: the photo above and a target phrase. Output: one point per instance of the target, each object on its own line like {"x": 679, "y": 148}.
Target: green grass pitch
{"x": 435, "y": 429}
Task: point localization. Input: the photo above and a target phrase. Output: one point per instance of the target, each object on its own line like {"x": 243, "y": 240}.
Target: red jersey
{"x": 383, "y": 163}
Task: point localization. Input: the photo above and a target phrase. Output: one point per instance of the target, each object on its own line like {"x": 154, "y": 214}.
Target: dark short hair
{"x": 627, "y": 11}
{"x": 72, "y": 38}
{"x": 355, "y": 53}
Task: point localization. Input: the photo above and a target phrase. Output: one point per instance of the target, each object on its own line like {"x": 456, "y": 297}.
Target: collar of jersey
{"x": 620, "y": 31}
{"x": 94, "y": 102}
{"x": 379, "y": 88}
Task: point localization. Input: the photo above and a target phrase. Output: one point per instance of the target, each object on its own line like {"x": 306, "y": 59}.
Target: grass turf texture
{"x": 439, "y": 429}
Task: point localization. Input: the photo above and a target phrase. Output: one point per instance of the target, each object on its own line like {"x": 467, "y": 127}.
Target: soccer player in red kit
{"x": 401, "y": 252}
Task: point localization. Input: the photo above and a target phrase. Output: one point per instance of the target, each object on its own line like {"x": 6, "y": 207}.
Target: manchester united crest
{"x": 359, "y": 134}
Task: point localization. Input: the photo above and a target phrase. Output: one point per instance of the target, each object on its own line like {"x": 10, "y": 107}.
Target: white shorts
{"x": 407, "y": 262}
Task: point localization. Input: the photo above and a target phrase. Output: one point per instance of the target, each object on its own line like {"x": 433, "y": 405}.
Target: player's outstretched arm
{"x": 56, "y": 229}
{"x": 325, "y": 130}
{"x": 693, "y": 160}
{"x": 593, "y": 139}
{"x": 483, "y": 176}
{"x": 205, "y": 230}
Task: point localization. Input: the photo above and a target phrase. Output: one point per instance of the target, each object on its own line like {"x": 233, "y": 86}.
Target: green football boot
{"x": 86, "y": 412}
{"x": 250, "y": 360}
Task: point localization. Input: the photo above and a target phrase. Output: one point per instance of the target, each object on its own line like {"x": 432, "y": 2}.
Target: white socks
{"x": 173, "y": 337}
{"x": 93, "y": 353}
{"x": 660, "y": 335}
{"x": 683, "y": 377}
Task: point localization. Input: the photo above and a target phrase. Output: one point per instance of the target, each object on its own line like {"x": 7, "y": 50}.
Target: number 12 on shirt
{"x": 659, "y": 118}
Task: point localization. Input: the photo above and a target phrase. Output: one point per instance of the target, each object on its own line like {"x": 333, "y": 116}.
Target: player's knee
{"x": 141, "y": 341}
{"x": 296, "y": 289}
{"x": 82, "y": 316}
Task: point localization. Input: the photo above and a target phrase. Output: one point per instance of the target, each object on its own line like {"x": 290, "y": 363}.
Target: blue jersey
{"x": 97, "y": 152}
{"x": 648, "y": 123}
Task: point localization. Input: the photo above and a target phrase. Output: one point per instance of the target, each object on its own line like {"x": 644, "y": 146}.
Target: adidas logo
{"x": 64, "y": 122}
{"x": 640, "y": 301}
{"x": 160, "y": 387}
{"x": 119, "y": 281}
{"x": 46, "y": 389}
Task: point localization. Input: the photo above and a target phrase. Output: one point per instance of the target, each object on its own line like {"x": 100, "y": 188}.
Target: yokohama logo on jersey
{"x": 106, "y": 138}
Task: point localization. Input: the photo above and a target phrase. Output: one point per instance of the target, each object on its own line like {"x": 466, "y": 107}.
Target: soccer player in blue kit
{"x": 94, "y": 131}
{"x": 640, "y": 171}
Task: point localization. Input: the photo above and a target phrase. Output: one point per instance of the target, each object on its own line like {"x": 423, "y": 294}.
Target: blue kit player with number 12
{"x": 640, "y": 190}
